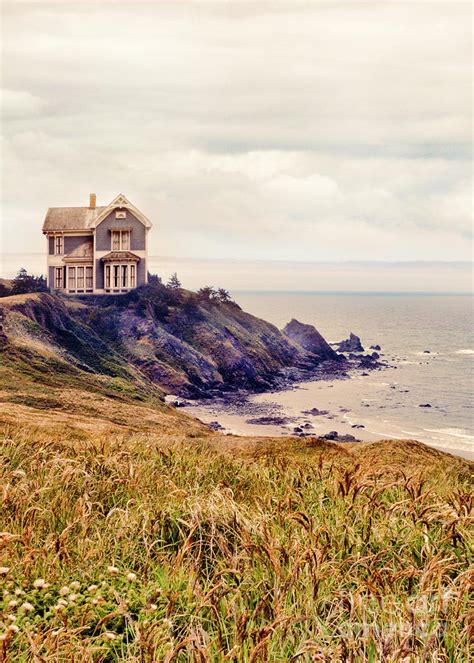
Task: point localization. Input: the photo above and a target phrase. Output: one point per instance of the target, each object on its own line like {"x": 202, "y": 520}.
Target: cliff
{"x": 159, "y": 339}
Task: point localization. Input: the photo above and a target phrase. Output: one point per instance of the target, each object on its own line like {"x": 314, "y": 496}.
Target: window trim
{"x": 58, "y": 278}
{"x": 58, "y": 245}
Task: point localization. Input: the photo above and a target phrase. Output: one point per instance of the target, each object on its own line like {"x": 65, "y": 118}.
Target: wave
{"x": 454, "y": 432}
{"x": 465, "y": 351}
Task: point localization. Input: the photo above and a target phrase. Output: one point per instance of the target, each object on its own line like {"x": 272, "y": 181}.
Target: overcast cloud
{"x": 316, "y": 131}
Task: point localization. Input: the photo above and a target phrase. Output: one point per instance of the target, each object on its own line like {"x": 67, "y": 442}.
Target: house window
{"x": 58, "y": 245}
{"x": 107, "y": 276}
{"x": 124, "y": 276}
{"x": 120, "y": 240}
{"x": 58, "y": 278}
{"x": 80, "y": 278}
{"x": 132, "y": 276}
{"x": 116, "y": 276}
{"x": 89, "y": 278}
{"x": 71, "y": 278}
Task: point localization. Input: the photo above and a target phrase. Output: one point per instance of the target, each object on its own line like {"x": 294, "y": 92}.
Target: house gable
{"x": 121, "y": 203}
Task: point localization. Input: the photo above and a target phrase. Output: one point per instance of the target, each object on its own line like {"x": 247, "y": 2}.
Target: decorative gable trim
{"x": 121, "y": 202}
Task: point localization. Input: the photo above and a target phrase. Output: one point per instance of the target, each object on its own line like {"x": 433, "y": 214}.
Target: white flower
{"x": 131, "y": 577}
{"x": 153, "y": 606}
{"x": 11, "y": 618}
{"x": 109, "y": 635}
{"x": 168, "y": 623}
{"x": 19, "y": 592}
{"x": 92, "y": 588}
{"x": 75, "y": 585}
{"x": 27, "y": 607}
{"x": 113, "y": 570}
{"x": 55, "y": 633}
{"x": 3, "y": 637}
{"x": 94, "y": 601}
{"x": 64, "y": 591}
{"x": 13, "y": 628}
{"x": 40, "y": 583}
{"x": 13, "y": 604}
{"x": 4, "y": 570}
{"x": 62, "y": 603}
{"x": 72, "y": 597}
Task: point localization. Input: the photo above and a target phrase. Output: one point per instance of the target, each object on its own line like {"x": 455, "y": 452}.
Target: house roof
{"x": 71, "y": 218}
{"x": 85, "y": 218}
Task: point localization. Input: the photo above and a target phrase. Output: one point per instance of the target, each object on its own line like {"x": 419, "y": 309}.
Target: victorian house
{"x": 97, "y": 250}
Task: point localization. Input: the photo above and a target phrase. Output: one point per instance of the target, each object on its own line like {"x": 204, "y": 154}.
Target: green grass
{"x": 277, "y": 552}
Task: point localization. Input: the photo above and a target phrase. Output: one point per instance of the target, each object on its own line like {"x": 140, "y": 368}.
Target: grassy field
{"x": 189, "y": 546}
{"x": 130, "y": 532}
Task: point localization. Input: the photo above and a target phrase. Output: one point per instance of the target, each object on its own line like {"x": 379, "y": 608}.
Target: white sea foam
{"x": 454, "y": 432}
{"x": 465, "y": 351}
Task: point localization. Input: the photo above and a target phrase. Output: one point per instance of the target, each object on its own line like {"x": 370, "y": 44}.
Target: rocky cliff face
{"x": 170, "y": 339}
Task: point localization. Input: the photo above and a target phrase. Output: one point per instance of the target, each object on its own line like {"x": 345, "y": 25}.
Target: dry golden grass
{"x": 175, "y": 544}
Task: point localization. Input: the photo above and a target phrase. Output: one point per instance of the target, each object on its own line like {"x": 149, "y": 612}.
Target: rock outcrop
{"x": 351, "y": 344}
{"x": 310, "y": 340}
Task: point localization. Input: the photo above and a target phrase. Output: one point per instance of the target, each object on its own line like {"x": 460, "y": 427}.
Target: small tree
{"x": 206, "y": 294}
{"x": 154, "y": 279}
{"x": 223, "y": 295}
{"x": 24, "y": 282}
{"x": 173, "y": 282}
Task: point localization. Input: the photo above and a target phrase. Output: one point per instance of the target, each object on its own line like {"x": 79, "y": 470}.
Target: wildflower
{"x": 131, "y": 577}
{"x": 11, "y": 618}
{"x": 62, "y": 603}
{"x": 4, "y": 570}
{"x": 19, "y": 592}
{"x": 6, "y": 592}
{"x": 72, "y": 597}
{"x": 110, "y": 635}
{"x": 94, "y": 601}
{"x": 13, "y": 604}
{"x": 168, "y": 623}
{"x": 75, "y": 585}
{"x": 153, "y": 606}
{"x": 3, "y": 637}
{"x": 64, "y": 591}
{"x": 27, "y": 607}
{"x": 40, "y": 583}
{"x": 113, "y": 570}
{"x": 92, "y": 588}
{"x": 13, "y": 628}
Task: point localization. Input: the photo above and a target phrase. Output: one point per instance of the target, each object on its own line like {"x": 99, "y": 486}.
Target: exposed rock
{"x": 315, "y": 412}
{"x": 425, "y": 405}
{"x": 310, "y": 340}
{"x": 351, "y": 344}
{"x": 215, "y": 425}
{"x": 358, "y": 426}
{"x": 427, "y": 352}
{"x": 334, "y": 436}
{"x": 269, "y": 421}
{"x": 375, "y": 347}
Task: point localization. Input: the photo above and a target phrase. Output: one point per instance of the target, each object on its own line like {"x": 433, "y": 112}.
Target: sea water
{"x": 428, "y": 342}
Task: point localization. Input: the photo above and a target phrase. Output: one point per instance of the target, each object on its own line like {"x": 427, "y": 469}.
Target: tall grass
{"x": 147, "y": 549}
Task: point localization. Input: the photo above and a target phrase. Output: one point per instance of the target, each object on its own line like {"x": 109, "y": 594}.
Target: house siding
{"x": 73, "y": 241}
{"x": 103, "y": 236}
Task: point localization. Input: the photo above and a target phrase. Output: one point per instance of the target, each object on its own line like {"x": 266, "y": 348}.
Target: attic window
{"x": 120, "y": 215}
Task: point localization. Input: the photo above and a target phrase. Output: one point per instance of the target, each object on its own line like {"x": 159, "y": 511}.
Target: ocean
{"x": 428, "y": 341}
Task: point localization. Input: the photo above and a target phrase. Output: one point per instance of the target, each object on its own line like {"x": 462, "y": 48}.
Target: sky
{"x": 259, "y": 132}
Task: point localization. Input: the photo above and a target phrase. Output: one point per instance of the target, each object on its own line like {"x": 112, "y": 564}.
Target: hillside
{"x": 130, "y": 532}
{"x": 154, "y": 337}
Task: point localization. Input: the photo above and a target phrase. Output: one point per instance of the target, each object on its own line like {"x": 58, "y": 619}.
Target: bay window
{"x": 107, "y": 276}
{"x": 132, "y": 276}
{"x": 80, "y": 277}
{"x": 71, "y": 278}
{"x": 116, "y": 276}
{"x": 89, "y": 278}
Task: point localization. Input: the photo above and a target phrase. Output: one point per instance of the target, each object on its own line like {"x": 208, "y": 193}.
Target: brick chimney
{"x": 92, "y": 200}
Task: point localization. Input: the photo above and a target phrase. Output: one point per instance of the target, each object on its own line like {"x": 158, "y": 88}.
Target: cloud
{"x": 251, "y": 130}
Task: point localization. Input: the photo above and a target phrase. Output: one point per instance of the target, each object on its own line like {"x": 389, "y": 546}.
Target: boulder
{"x": 375, "y": 347}
{"x": 308, "y": 337}
{"x": 351, "y": 344}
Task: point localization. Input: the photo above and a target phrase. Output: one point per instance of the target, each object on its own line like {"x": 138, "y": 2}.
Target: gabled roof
{"x": 70, "y": 218}
{"x": 85, "y": 218}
